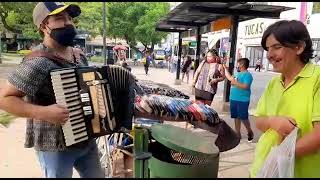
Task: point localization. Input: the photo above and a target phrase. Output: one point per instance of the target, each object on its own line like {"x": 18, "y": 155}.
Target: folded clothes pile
{"x": 185, "y": 109}
{"x": 150, "y": 87}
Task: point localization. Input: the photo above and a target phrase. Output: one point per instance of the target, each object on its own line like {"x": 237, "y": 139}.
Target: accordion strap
{"x": 41, "y": 53}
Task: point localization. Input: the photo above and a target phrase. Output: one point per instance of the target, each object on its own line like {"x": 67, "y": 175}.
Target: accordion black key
{"x": 100, "y": 100}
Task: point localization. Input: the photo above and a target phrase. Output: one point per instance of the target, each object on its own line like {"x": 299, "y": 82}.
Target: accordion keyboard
{"x": 67, "y": 93}
{"x": 99, "y": 100}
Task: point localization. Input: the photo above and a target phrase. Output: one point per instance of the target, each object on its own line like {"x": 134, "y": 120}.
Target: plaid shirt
{"x": 32, "y": 77}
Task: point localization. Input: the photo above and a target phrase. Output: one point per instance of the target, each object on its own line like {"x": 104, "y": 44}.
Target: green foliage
{"x": 316, "y": 7}
{"x": 5, "y": 119}
{"x": 17, "y": 18}
{"x": 97, "y": 59}
{"x": 90, "y": 20}
{"x": 145, "y": 31}
{"x": 136, "y": 21}
{"x": 132, "y": 21}
{"x": 122, "y": 19}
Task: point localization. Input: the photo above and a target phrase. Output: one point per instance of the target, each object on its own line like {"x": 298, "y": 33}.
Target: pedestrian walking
{"x": 240, "y": 96}
{"x": 207, "y": 76}
{"x": 258, "y": 65}
{"x": 29, "y": 88}
{"x": 291, "y": 99}
{"x": 186, "y": 66}
{"x": 148, "y": 60}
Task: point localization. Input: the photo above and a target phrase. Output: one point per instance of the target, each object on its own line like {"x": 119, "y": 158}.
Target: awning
{"x": 188, "y": 15}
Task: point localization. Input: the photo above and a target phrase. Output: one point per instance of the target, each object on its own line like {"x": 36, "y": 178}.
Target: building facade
{"x": 314, "y": 30}
{"x": 250, "y": 32}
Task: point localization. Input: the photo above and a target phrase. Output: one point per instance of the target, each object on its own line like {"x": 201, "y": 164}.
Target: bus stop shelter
{"x": 212, "y": 16}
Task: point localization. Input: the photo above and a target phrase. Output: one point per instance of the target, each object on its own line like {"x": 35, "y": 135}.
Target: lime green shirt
{"x": 300, "y": 101}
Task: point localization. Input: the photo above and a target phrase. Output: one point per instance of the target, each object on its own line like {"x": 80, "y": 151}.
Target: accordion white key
{"x": 100, "y": 100}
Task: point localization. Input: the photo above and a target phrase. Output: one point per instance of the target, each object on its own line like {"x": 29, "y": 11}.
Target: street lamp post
{"x": 104, "y": 34}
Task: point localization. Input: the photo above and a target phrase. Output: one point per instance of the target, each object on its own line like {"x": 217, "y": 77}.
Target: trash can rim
{"x": 183, "y": 140}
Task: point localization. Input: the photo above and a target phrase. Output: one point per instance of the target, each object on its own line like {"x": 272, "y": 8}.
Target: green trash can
{"x": 180, "y": 153}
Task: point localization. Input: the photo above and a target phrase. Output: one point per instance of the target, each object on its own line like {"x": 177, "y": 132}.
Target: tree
{"x": 122, "y": 18}
{"x": 90, "y": 20}
{"x": 136, "y": 21}
{"x": 17, "y": 18}
{"x": 316, "y": 7}
{"x": 132, "y": 21}
{"x": 145, "y": 31}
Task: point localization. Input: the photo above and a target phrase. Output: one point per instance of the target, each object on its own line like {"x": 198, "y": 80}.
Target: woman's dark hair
{"x": 290, "y": 33}
{"x": 214, "y": 52}
{"x": 244, "y": 61}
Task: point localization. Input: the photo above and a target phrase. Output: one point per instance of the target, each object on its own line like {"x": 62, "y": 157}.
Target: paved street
{"x": 16, "y": 161}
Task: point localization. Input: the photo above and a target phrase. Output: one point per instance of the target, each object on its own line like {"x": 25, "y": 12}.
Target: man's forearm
{"x": 262, "y": 123}
{"x": 309, "y": 143}
{"x": 239, "y": 85}
{"x": 227, "y": 74}
{"x": 18, "y": 107}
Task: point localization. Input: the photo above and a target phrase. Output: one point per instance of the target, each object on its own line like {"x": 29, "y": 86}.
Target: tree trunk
{"x": 152, "y": 47}
{"x": 145, "y": 47}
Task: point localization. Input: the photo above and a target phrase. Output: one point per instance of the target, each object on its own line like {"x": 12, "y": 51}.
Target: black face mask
{"x": 64, "y": 36}
{"x": 238, "y": 69}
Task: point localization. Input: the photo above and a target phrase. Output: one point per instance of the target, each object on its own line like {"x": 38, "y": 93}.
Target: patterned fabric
{"x": 164, "y": 106}
{"x": 32, "y": 77}
{"x": 150, "y": 87}
{"x": 207, "y": 72}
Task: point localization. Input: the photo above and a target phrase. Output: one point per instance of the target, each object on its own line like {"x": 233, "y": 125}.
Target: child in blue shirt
{"x": 240, "y": 96}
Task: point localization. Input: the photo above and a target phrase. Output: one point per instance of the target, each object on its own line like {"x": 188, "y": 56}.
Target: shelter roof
{"x": 188, "y": 15}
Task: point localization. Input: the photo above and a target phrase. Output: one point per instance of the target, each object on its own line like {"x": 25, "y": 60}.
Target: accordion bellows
{"x": 100, "y": 100}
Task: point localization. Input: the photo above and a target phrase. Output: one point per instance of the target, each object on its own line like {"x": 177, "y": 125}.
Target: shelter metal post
{"x": 197, "y": 61}
{"x": 179, "y": 56}
{"x": 232, "y": 55}
{"x": 104, "y": 34}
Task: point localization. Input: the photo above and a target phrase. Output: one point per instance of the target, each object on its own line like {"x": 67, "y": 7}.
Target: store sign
{"x": 220, "y": 24}
{"x": 193, "y": 44}
{"x": 254, "y": 30}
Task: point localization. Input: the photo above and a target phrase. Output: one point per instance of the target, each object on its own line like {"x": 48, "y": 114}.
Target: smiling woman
{"x": 290, "y": 99}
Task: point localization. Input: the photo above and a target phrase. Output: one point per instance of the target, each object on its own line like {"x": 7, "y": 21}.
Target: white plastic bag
{"x": 280, "y": 160}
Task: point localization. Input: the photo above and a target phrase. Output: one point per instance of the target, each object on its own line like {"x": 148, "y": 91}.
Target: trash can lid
{"x": 183, "y": 140}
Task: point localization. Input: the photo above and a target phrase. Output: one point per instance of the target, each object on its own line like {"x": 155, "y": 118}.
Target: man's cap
{"x": 45, "y": 9}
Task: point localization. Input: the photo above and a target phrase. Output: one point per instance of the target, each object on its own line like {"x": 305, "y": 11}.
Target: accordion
{"x": 100, "y": 100}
